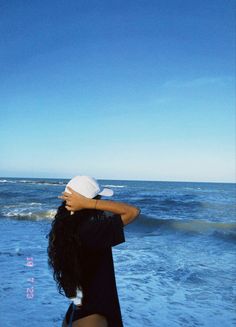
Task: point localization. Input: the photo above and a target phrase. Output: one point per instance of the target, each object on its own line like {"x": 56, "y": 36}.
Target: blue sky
{"x": 123, "y": 89}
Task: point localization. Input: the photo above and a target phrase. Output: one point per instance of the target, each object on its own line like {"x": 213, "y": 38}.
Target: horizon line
{"x": 135, "y": 180}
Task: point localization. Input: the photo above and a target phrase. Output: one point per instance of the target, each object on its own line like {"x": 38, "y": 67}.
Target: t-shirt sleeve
{"x": 104, "y": 231}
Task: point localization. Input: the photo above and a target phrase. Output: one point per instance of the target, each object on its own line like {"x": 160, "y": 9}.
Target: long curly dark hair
{"x": 64, "y": 249}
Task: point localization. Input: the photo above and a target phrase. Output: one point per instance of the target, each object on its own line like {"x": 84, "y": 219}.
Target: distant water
{"x": 176, "y": 268}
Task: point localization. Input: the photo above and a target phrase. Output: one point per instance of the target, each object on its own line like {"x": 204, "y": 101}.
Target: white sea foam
{"x": 19, "y": 213}
{"x": 7, "y": 181}
{"x": 111, "y": 185}
{"x": 41, "y": 182}
{"x": 23, "y": 181}
{"x": 22, "y": 205}
{"x": 35, "y": 204}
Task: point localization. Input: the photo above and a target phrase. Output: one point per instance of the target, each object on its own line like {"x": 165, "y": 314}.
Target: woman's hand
{"x": 75, "y": 201}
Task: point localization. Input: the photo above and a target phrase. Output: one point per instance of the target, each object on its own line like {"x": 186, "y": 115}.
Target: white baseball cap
{"x": 87, "y": 186}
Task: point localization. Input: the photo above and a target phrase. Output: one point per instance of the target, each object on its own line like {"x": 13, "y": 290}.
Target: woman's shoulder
{"x": 86, "y": 216}
{"x": 102, "y": 230}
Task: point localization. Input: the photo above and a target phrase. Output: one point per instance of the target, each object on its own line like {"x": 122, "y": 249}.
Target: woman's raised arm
{"x": 76, "y": 201}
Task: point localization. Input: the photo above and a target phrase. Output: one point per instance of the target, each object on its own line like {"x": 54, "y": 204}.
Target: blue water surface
{"x": 176, "y": 268}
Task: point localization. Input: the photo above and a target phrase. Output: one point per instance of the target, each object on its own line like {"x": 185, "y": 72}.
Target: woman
{"x": 84, "y": 230}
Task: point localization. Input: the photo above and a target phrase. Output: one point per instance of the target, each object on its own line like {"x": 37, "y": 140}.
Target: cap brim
{"x": 106, "y": 192}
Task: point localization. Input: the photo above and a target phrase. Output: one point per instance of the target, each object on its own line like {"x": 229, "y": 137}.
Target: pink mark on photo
{"x": 30, "y": 262}
{"x": 30, "y": 292}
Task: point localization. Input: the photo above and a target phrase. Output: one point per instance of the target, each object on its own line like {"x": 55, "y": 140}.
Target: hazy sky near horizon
{"x": 118, "y": 89}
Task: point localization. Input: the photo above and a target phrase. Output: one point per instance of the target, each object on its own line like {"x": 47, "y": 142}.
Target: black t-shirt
{"x": 98, "y": 234}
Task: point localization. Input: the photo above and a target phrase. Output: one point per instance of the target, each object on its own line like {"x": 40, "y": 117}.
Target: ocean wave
{"x": 37, "y": 182}
{"x": 46, "y": 182}
{"x": 9, "y": 181}
{"x": 22, "y": 214}
{"x": 148, "y": 223}
{"x": 184, "y": 202}
{"x": 115, "y": 186}
{"x": 177, "y": 203}
{"x": 192, "y": 224}
{"x": 168, "y": 204}
{"x": 41, "y": 182}
{"x": 11, "y": 254}
{"x": 22, "y": 205}
{"x": 144, "y": 223}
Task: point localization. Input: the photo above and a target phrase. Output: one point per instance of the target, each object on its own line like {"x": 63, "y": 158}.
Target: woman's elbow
{"x": 131, "y": 215}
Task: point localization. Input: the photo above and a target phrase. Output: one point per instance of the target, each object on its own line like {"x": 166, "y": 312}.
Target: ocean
{"x": 176, "y": 268}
